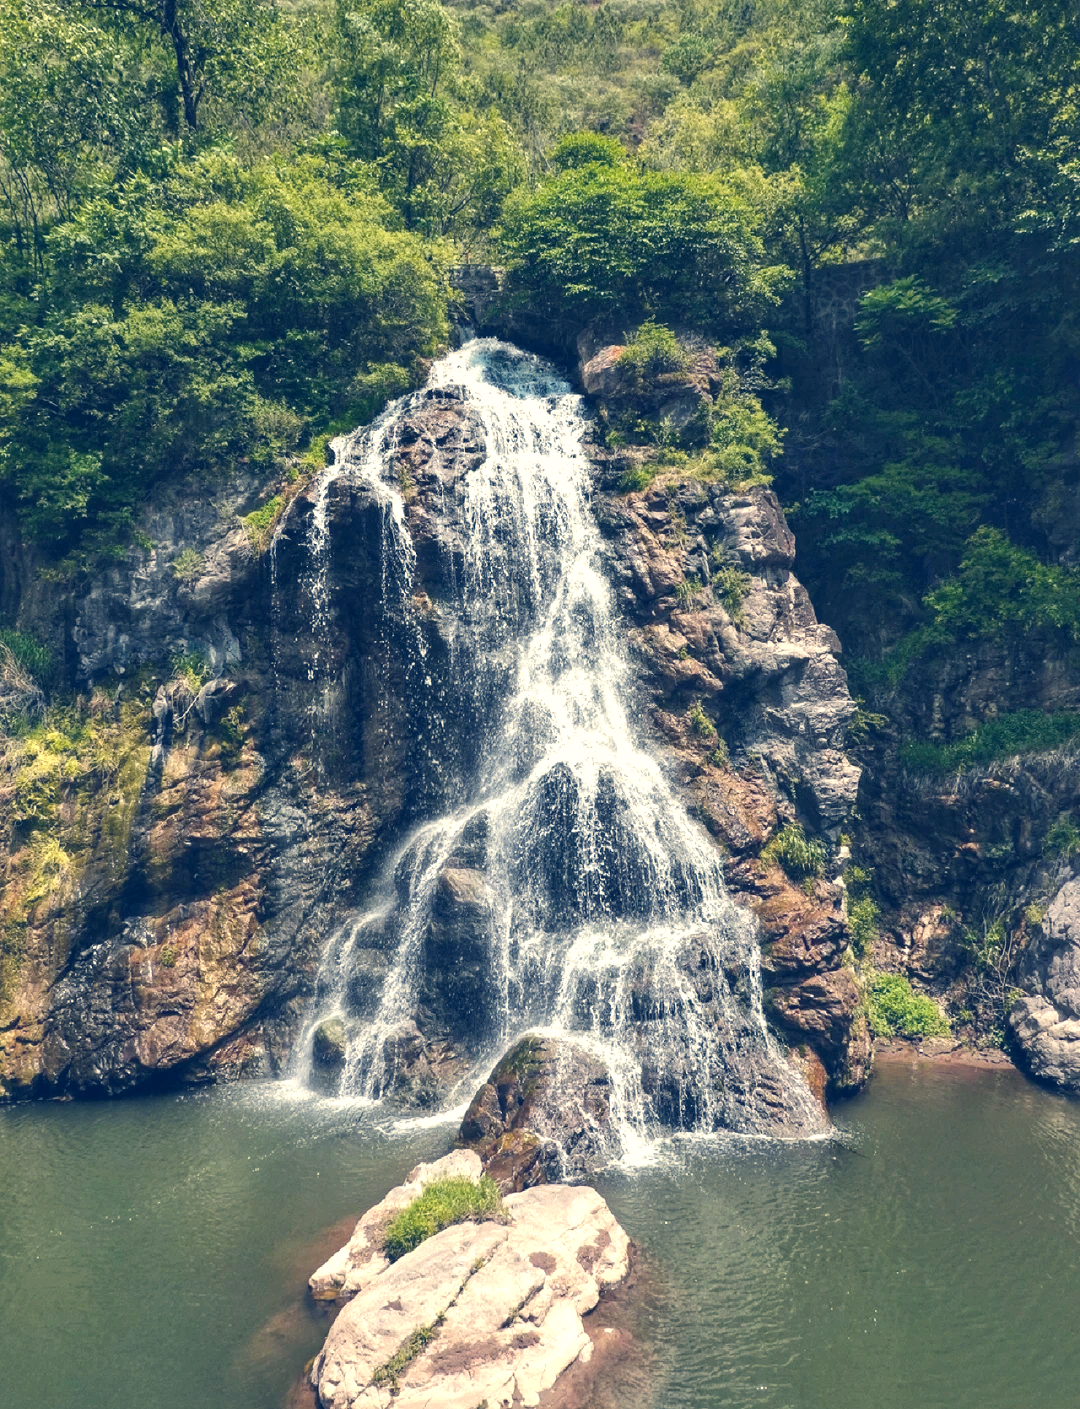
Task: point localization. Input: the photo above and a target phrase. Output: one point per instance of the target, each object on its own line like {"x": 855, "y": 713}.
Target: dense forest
{"x": 228, "y": 229}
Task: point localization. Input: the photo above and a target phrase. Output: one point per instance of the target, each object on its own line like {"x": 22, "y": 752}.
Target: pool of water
{"x": 153, "y": 1252}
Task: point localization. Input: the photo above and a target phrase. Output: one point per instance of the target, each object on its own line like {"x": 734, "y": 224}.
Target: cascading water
{"x": 566, "y": 890}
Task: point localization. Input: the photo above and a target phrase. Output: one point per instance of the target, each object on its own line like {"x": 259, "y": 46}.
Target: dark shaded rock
{"x": 328, "y": 1052}
{"x": 457, "y": 996}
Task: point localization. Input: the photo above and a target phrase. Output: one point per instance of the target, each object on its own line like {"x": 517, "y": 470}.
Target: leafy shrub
{"x": 259, "y": 524}
{"x": 893, "y": 1007}
{"x": 445, "y": 1202}
{"x": 30, "y": 655}
{"x": 802, "y": 858}
{"x": 193, "y": 667}
{"x": 700, "y": 722}
{"x": 862, "y": 917}
{"x": 598, "y": 240}
{"x": 653, "y": 350}
{"x": 1063, "y": 839}
{"x": 187, "y": 566}
{"x": 732, "y": 586}
{"x": 640, "y": 477}
{"x": 687, "y": 590}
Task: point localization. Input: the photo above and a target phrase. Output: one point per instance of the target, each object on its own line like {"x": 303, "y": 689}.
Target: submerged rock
{"x": 480, "y": 1313}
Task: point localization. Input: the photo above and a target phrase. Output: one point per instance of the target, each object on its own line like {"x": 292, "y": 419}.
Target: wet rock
{"x": 487, "y": 1312}
{"x": 458, "y": 993}
{"x": 328, "y": 1052}
{"x": 541, "y": 1115}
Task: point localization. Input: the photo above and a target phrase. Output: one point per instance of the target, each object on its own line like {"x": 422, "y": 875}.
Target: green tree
{"x": 445, "y": 166}
{"x": 602, "y": 239}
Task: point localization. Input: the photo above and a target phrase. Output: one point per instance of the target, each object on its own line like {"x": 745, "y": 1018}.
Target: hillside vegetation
{"x": 227, "y": 228}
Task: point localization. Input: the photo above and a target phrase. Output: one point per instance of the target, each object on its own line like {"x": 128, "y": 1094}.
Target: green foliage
{"x": 598, "y": 240}
{"x": 30, "y": 655}
{"x": 389, "y": 1374}
{"x": 802, "y": 858}
{"x": 259, "y": 524}
{"x": 445, "y": 1202}
{"x": 231, "y": 730}
{"x": 578, "y": 149}
{"x": 653, "y": 350}
{"x": 190, "y": 278}
{"x": 638, "y": 478}
{"x": 443, "y": 165}
{"x": 894, "y": 1007}
{"x": 1063, "y": 839}
{"x": 862, "y": 722}
{"x": 700, "y": 722}
{"x": 862, "y": 917}
{"x": 720, "y": 758}
{"x": 192, "y": 667}
{"x": 1023, "y": 731}
{"x": 732, "y": 586}
{"x": 187, "y": 566}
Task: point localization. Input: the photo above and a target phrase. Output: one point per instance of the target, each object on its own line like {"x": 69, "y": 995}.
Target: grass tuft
{"x": 801, "y": 858}
{"x": 445, "y": 1202}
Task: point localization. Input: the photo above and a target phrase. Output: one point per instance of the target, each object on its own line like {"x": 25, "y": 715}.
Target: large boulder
{"x": 485, "y": 1312}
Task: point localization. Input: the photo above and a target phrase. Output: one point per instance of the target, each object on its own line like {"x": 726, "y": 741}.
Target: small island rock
{"x": 481, "y": 1311}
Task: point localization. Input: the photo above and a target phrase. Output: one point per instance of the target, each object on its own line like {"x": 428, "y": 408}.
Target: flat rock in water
{"x": 481, "y": 1311}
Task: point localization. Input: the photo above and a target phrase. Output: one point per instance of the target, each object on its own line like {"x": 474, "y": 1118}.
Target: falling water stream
{"x": 597, "y": 906}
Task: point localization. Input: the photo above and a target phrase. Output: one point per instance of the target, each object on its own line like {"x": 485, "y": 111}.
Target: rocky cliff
{"x": 243, "y": 746}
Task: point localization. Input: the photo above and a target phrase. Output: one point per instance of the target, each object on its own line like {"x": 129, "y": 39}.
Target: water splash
{"x": 568, "y": 891}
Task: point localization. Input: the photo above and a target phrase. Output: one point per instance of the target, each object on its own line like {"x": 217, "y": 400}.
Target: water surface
{"x": 152, "y": 1252}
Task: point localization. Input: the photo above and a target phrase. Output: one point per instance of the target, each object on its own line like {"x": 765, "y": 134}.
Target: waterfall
{"x": 563, "y": 887}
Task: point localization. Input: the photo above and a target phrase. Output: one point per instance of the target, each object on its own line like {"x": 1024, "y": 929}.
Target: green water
{"x": 153, "y": 1253}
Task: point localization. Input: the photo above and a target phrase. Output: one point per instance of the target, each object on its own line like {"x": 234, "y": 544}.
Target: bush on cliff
{"x": 442, "y": 1203}
{"x": 610, "y": 239}
{"x": 894, "y": 1007}
{"x": 801, "y": 857}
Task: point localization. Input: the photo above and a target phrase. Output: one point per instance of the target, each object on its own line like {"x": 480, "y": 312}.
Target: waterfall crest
{"x": 562, "y": 888}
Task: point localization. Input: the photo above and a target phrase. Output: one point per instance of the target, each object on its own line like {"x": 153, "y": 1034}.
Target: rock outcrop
{"x": 480, "y": 1313}
{"x": 1045, "y": 1023}
{"x": 542, "y": 1115}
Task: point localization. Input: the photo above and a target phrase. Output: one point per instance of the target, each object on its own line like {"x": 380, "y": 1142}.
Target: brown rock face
{"x": 822, "y": 1011}
{"x": 749, "y": 696}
